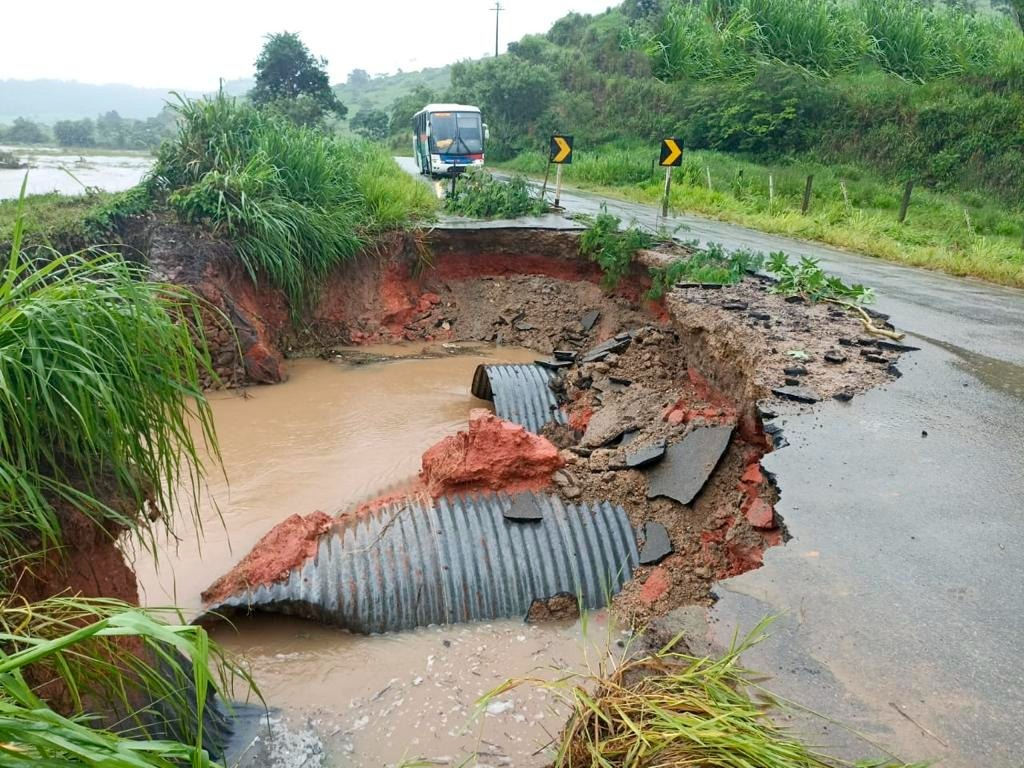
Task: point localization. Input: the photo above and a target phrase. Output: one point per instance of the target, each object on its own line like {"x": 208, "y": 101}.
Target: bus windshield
{"x": 456, "y": 133}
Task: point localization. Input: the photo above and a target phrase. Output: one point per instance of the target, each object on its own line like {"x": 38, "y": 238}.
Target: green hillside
{"x": 383, "y": 91}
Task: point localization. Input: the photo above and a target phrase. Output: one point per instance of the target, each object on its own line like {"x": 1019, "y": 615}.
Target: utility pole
{"x": 497, "y": 13}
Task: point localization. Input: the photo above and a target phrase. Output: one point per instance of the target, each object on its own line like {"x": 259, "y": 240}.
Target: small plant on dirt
{"x": 673, "y": 709}
{"x": 611, "y": 247}
{"x": 710, "y": 265}
{"x": 481, "y": 196}
{"x": 806, "y": 278}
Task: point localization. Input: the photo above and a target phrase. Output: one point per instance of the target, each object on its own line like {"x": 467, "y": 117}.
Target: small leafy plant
{"x": 481, "y": 196}
{"x": 807, "y": 278}
{"x": 611, "y": 247}
{"x": 710, "y": 265}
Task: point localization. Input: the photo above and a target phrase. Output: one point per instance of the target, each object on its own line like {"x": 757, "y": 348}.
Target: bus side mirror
{"x": 487, "y": 132}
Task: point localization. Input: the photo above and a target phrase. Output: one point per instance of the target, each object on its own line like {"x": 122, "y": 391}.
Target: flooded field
{"x": 54, "y": 170}
{"x": 335, "y": 434}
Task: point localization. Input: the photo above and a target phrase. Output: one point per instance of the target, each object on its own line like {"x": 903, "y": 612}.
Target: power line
{"x": 497, "y": 13}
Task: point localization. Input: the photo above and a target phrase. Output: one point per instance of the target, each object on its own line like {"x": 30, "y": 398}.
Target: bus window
{"x": 456, "y": 133}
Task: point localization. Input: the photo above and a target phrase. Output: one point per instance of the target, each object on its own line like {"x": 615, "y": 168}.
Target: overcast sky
{"x": 189, "y": 44}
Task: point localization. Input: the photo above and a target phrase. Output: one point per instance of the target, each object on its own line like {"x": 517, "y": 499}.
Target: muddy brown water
{"x": 335, "y": 434}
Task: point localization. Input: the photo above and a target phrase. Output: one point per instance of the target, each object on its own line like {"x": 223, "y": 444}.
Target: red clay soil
{"x": 491, "y": 455}
{"x": 289, "y": 544}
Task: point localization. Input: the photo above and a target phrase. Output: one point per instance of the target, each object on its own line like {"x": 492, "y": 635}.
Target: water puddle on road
{"x": 335, "y": 434}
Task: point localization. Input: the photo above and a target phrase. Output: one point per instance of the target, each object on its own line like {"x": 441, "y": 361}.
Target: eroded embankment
{"x": 700, "y": 364}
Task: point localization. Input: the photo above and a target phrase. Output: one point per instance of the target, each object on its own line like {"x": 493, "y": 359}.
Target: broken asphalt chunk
{"x": 799, "y": 394}
{"x": 657, "y": 545}
{"x": 795, "y": 370}
{"x": 687, "y": 465}
{"x": 564, "y": 355}
{"x": 895, "y": 346}
{"x": 796, "y": 298}
{"x": 843, "y": 395}
{"x": 704, "y": 286}
{"x": 734, "y": 306}
{"x": 602, "y": 350}
{"x": 880, "y": 359}
{"x": 554, "y": 365}
{"x": 589, "y": 320}
{"x": 646, "y": 456}
{"x": 524, "y": 327}
{"x": 524, "y": 508}
{"x": 834, "y": 357}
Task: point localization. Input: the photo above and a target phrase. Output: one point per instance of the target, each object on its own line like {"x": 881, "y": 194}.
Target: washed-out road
{"x": 900, "y": 598}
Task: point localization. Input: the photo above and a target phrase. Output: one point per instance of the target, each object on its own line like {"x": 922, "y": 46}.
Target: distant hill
{"x": 381, "y": 91}
{"x": 46, "y": 101}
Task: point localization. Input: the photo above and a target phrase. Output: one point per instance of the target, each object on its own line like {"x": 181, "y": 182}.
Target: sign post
{"x": 671, "y": 157}
{"x": 560, "y": 154}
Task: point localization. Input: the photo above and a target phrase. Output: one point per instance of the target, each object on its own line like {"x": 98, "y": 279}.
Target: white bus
{"x": 448, "y": 137}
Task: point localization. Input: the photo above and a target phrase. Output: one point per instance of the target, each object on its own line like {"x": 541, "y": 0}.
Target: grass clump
{"x": 674, "y": 709}
{"x": 709, "y": 265}
{"x": 611, "y": 247}
{"x": 294, "y": 201}
{"x": 99, "y": 395}
{"x": 481, "y": 196}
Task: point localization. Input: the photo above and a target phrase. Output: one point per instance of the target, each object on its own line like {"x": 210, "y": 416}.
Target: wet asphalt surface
{"x": 900, "y": 598}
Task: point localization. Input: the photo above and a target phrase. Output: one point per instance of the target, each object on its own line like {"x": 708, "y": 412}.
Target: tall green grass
{"x": 99, "y": 394}
{"x": 135, "y": 686}
{"x": 724, "y": 38}
{"x": 296, "y": 202}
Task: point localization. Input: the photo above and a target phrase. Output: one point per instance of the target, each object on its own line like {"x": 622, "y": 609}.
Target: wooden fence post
{"x": 807, "y": 194}
{"x": 905, "y": 203}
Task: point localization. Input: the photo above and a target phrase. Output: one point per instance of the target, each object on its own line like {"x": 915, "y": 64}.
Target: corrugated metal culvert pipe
{"x": 521, "y": 394}
{"x": 419, "y": 562}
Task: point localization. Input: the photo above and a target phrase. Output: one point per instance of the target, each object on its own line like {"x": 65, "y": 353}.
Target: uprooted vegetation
{"x": 479, "y": 195}
{"x": 671, "y": 708}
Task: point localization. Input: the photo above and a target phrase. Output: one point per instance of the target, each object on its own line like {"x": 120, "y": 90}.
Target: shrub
{"x": 481, "y": 196}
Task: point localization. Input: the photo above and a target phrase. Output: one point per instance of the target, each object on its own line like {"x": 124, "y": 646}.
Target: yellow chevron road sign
{"x": 561, "y": 149}
{"x": 671, "y": 153}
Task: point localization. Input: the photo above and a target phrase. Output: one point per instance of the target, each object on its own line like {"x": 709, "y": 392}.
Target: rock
{"x": 799, "y": 394}
{"x": 562, "y": 479}
{"x": 656, "y": 585}
{"x": 866, "y": 341}
{"x": 896, "y": 346}
{"x": 834, "y": 357}
{"x": 847, "y": 342}
{"x": 880, "y": 359}
{"x": 795, "y": 299}
{"x": 734, "y": 306}
{"x": 760, "y": 515}
{"x": 687, "y": 465}
{"x": 523, "y": 327}
{"x": 843, "y": 395}
{"x": 607, "y": 424}
{"x": 620, "y": 381}
{"x": 753, "y": 475}
{"x": 657, "y": 545}
{"x": 795, "y": 370}
{"x": 765, "y": 411}
{"x": 763, "y": 316}
{"x": 524, "y": 508}
{"x": 893, "y": 371}
{"x": 790, "y": 382}
{"x": 572, "y": 492}
{"x": 646, "y": 456}
{"x": 589, "y": 319}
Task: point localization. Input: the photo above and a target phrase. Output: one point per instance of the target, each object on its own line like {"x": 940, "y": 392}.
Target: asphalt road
{"x": 901, "y": 594}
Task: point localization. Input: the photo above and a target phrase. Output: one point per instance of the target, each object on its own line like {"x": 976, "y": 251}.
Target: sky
{"x": 189, "y": 44}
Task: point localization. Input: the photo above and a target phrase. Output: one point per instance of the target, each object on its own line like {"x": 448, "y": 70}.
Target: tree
{"x": 24, "y": 131}
{"x": 404, "y": 107}
{"x": 112, "y": 130}
{"x": 74, "y": 133}
{"x": 294, "y": 83}
{"x": 358, "y": 78}
{"x": 371, "y": 124}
